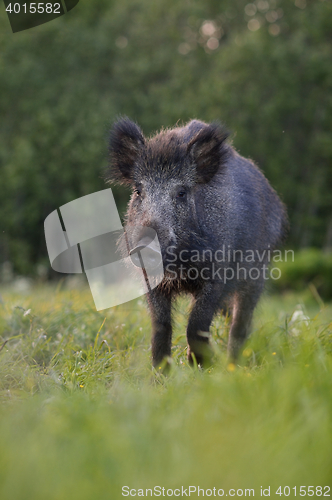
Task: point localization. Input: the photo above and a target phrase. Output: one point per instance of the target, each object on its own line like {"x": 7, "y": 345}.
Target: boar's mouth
{"x": 146, "y": 253}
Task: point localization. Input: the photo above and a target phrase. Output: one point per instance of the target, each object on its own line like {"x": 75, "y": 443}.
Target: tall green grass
{"x": 83, "y": 414}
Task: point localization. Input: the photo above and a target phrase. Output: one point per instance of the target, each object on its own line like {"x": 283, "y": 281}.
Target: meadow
{"x": 83, "y": 414}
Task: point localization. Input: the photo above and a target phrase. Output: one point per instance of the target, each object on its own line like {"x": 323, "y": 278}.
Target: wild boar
{"x": 217, "y": 219}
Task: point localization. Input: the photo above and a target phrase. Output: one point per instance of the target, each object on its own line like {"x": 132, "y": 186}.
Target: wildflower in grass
{"x": 231, "y": 367}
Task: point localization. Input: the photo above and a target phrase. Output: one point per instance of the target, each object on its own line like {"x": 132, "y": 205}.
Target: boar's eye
{"x": 138, "y": 191}
{"x": 182, "y": 194}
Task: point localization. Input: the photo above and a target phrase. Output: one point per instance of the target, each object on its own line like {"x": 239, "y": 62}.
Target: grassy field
{"x": 83, "y": 414}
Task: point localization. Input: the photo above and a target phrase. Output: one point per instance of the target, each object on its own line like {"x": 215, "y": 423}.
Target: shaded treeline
{"x": 262, "y": 68}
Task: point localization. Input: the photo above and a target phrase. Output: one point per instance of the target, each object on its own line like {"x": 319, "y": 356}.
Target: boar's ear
{"x": 208, "y": 151}
{"x": 192, "y": 128}
{"x": 125, "y": 145}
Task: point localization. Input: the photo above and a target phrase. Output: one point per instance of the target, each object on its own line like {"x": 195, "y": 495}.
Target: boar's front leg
{"x": 160, "y": 309}
{"x": 207, "y": 303}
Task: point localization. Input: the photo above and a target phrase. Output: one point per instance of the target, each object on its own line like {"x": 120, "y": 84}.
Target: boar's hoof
{"x": 201, "y": 353}
{"x": 163, "y": 366}
{"x": 234, "y": 349}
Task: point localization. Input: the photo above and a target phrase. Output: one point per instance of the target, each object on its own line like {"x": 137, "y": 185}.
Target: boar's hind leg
{"x": 243, "y": 308}
{"x": 160, "y": 308}
{"x": 207, "y": 303}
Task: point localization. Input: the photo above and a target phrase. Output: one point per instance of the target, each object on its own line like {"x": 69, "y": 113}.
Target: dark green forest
{"x": 264, "y": 69}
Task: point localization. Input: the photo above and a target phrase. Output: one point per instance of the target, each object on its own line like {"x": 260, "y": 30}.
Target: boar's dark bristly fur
{"x": 198, "y": 194}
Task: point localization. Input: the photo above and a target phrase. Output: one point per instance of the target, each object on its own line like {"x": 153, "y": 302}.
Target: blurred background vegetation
{"x": 263, "y": 68}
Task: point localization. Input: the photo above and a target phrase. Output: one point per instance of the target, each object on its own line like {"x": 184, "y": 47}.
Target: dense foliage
{"x": 263, "y": 68}
{"x": 310, "y": 268}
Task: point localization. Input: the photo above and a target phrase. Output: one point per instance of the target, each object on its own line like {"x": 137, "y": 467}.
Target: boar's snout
{"x": 146, "y": 253}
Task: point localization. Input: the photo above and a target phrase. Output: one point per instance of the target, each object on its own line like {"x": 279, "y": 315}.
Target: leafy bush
{"x": 311, "y": 267}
